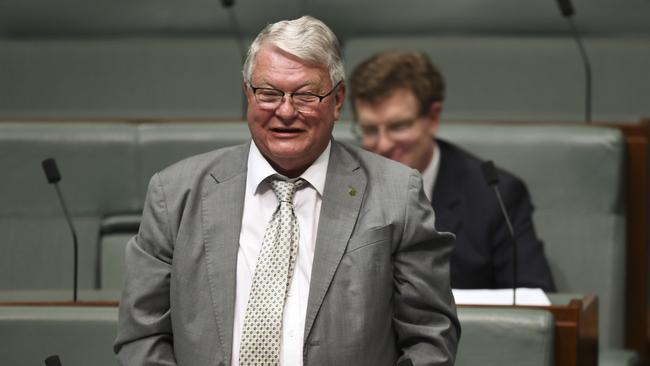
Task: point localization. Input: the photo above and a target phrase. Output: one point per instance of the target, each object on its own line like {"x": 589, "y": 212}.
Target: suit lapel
{"x": 342, "y": 196}
{"x": 446, "y": 198}
{"x": 223, "y": 205}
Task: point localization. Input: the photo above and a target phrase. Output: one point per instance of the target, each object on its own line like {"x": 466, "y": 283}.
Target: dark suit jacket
{"x": 466, "y": 206}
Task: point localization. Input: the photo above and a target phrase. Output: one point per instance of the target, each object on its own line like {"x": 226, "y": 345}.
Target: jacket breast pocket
{"x": 371, "y": 236}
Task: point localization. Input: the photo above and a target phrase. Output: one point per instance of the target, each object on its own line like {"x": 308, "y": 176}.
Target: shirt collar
{"x": 430, "y": 173}
{"x": 259, "y": 169}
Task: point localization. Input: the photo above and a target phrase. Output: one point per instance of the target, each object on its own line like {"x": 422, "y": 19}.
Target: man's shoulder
{"x": 457, "y": 158}
{"x": 457, "y": 155}
{"x": 466, "y": 167}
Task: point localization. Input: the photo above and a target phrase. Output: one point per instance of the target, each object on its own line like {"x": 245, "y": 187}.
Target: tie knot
{"x": 285, "y": 189}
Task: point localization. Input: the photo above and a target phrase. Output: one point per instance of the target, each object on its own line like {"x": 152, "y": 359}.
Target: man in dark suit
{"x": 397, "y": 101}
{"x": 291, "y": 249}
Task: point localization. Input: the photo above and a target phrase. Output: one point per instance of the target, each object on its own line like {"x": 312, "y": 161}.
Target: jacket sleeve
{"x": 425, "y": 317}
{"x": 144, "y": 334}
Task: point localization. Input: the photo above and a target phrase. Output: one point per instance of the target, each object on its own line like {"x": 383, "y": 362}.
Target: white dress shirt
{"x": 430, "y": 173}
{"x": 259, "y": 204}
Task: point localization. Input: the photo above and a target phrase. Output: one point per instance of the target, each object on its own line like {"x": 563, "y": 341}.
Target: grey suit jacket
{"x": 379, "y": 290}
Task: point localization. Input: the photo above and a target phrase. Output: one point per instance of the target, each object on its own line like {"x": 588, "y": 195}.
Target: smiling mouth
{"x": 286, "y": 130}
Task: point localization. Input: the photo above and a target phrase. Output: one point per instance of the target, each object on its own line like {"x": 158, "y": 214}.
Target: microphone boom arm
{"x": 75, "y": 243}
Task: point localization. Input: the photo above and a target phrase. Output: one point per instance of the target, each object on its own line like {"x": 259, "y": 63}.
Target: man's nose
{"x": 286, "y": 110}
{"x": 384, "y": 143}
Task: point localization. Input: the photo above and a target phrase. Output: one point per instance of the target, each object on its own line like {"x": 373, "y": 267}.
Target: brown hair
{"x": 383, "y": 73}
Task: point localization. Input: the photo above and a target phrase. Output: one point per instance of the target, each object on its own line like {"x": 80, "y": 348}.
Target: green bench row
{"x": 575, "y": 177}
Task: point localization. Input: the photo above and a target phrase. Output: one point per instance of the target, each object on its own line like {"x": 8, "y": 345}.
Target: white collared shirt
{"x": 259, "y": 204}
{"x": 430, "y": 173}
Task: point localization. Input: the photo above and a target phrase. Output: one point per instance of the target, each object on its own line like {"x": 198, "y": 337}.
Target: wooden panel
{"x": 637, "y": 321}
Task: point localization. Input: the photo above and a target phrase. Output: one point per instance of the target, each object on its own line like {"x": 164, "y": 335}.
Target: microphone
{"x": 228, "y": 4}
{"x": 405, "y": 362}
{"x": 53, "y": 360}
{"x": 53, "y": 177}
{"x": 492, "y": 179}
{"x": 567, "y": 10}
{"x": 51, "y": 171}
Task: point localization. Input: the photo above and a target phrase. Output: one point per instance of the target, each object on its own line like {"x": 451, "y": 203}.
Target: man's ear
{"x": 339, "y": 99}
{"x": 245, "y": 89}
{"x": 433, "y": 117}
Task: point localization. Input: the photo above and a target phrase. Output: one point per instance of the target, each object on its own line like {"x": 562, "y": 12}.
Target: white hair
{"x": 307, "y": 38}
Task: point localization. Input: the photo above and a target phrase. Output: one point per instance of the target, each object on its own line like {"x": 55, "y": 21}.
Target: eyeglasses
{"x": 270, "y": 99}
{"x": 400, "y": 130}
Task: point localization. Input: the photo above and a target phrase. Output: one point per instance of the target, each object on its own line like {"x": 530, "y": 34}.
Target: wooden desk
{"x": 576, "y": 329}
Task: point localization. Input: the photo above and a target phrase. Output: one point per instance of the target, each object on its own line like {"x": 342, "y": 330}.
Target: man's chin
{"x": 287, "y": 153}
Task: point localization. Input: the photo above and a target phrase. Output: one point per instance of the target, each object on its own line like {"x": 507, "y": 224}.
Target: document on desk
{"x": 525, "y": 296}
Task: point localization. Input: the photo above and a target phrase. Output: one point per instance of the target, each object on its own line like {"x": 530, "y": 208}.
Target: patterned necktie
{"x": 262, "y": 331}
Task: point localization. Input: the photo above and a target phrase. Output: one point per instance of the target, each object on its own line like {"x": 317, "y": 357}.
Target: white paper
{"x": 525, "y": 296}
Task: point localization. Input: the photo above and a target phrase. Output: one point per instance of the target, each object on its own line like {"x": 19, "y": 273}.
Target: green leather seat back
{"x": 574, "y": 175}
{"x": 97, "y": 180}
{"x": 575, "y": 178}
{"x": 500, "y": 337}
{"x": 80, "y": 336}
{"x": 84, "y": 335}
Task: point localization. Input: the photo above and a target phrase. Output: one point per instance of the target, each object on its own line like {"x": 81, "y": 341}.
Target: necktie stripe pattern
{"x": 262, "y": 330}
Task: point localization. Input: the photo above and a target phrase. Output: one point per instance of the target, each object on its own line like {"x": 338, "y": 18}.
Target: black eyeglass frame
{"x": 292, "y": 94}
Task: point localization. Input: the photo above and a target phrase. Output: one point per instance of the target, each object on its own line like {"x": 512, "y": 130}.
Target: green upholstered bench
{"x": 500, "y": 336}
{"x": 84, "y": 336}
{"x": 97, "y": 162}
{"x": 575, "y": 178}
{"x": 574, "y": 175}
{"x": 81, "y": 336}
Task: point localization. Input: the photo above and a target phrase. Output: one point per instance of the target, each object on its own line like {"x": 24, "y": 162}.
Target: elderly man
{"x": 293, "y": 249}
{"x": 397, "y": 100}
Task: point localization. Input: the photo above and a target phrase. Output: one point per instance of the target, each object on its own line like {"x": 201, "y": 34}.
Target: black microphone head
{"x": 405, "y": 362}
{"x": 490, "y": 173}
{"x": 53, "y": 361}
{"x": 51, "y": 170}
{"x": 566, "y": 8}
{"x": 227, "y": 3}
